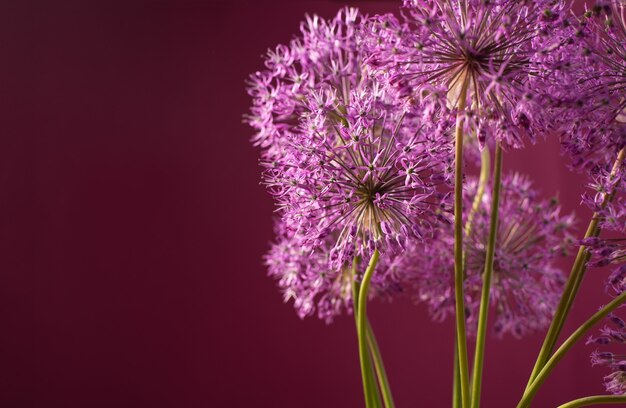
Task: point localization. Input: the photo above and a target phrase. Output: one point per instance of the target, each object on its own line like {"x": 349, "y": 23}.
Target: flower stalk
{"x": 487, "y": 275}
{"x": 567, "y": 344}
{"x": 485, "y": 168}
{"x": 456, "y": 390}
{"x": 595, "y": 400}
{"x": 369, "y": 385}
{"x": 461, "y": 336}
{"x": 573, "y": 283}
{"x": 379, "y": 366}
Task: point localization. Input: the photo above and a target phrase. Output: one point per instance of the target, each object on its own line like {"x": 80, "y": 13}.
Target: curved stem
{"x": 567, "y": 344}
{"x": 361, "y": 323}
{"x": 379, "y": 366}
{"x": 461, "y": 335}
{"x": 573, "y": 284}
{"x": 371, "y": 395}
{"x": 487, "y": 275}
{"x": 485, "y": 168}
{"x": 595, "y": 400}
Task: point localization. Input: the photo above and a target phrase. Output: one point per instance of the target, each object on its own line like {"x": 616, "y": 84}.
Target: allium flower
{"x": 493, "y": 49}
{"x": 526, "y": 286}
{"x": 365, "y": 173}
{"x": 345, "y": 157}
{"x": 315, "y": 285}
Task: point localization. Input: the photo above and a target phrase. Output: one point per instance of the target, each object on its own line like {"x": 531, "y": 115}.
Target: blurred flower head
{"x": 526, "y": 286}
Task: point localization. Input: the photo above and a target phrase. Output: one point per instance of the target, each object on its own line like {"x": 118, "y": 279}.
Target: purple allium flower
{"x": 346, "y": 158}
{"x": 526, "y": 286}
{"x": 316, "y": 285}
{"x": 493, "y": 48}
{"x": 366, "y": 173}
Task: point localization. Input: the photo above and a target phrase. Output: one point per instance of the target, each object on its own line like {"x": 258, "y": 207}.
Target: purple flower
{"x": 365, "y": 172}
{"x": 494, "y": 49}
{"x": 352, "y": 164}
{"x": 526, "y": 286}
{"x": 347, "y": 159}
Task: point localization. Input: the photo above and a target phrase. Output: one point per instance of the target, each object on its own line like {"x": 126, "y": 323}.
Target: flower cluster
{"x": 487, "y": 55}
{"x": 355, "y": 119}
{"x": 526, "y": 286}
{"x": 352, "y": 165}
{"x": 365, "y": 173}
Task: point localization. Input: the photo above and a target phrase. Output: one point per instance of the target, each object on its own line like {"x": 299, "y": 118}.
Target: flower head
{"x": 348, "y": 160}
{"x": 526, "y": 286}
{"x": 367, "y": 173}
{"x": 485, "y": 54}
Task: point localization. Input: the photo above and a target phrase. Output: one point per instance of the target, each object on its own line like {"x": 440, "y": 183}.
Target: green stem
{"x": 485, "y": 168}
{"x": 369, "y": 385}
{"x": 567, "y": 344}
{"x": 461, "y": 335}
{"x": 572, "y": 286}
{"x": 372, "y": 396}
{"x": 456, "y": 391}
{"x": 379, "y": 366}
{"x": 487, "y": 275}
{"x": 595, "y": 400}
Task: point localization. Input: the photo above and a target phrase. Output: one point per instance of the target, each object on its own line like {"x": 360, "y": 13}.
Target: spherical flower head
{"x": 316, "y": 285}
{"x": 526, "y": 286}
{"x": 324, "y": 53}
{"x": 489, "y": 51}
{"x": 365, "y": 170}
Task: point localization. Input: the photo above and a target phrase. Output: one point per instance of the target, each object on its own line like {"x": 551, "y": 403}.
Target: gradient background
{"x": 132, "y": 226}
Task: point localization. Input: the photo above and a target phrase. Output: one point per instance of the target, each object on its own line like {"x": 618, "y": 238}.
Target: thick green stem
{"x": 487, "y": 275}
{"x": 369, "y": 386}
{"x": 381, "y": 373}
{"x": 567, "y": 344}
{"x": 461, "y": 335}
{"x": 595, "y": 400}
{"x": 379, "y": 366}
{"x": 573, "y": 284}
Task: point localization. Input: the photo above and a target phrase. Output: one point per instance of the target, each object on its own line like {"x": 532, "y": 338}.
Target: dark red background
{"x": 132, "y": 226}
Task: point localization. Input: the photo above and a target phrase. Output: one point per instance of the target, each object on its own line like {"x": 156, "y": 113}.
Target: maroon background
{"x": 132, "y": 226}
